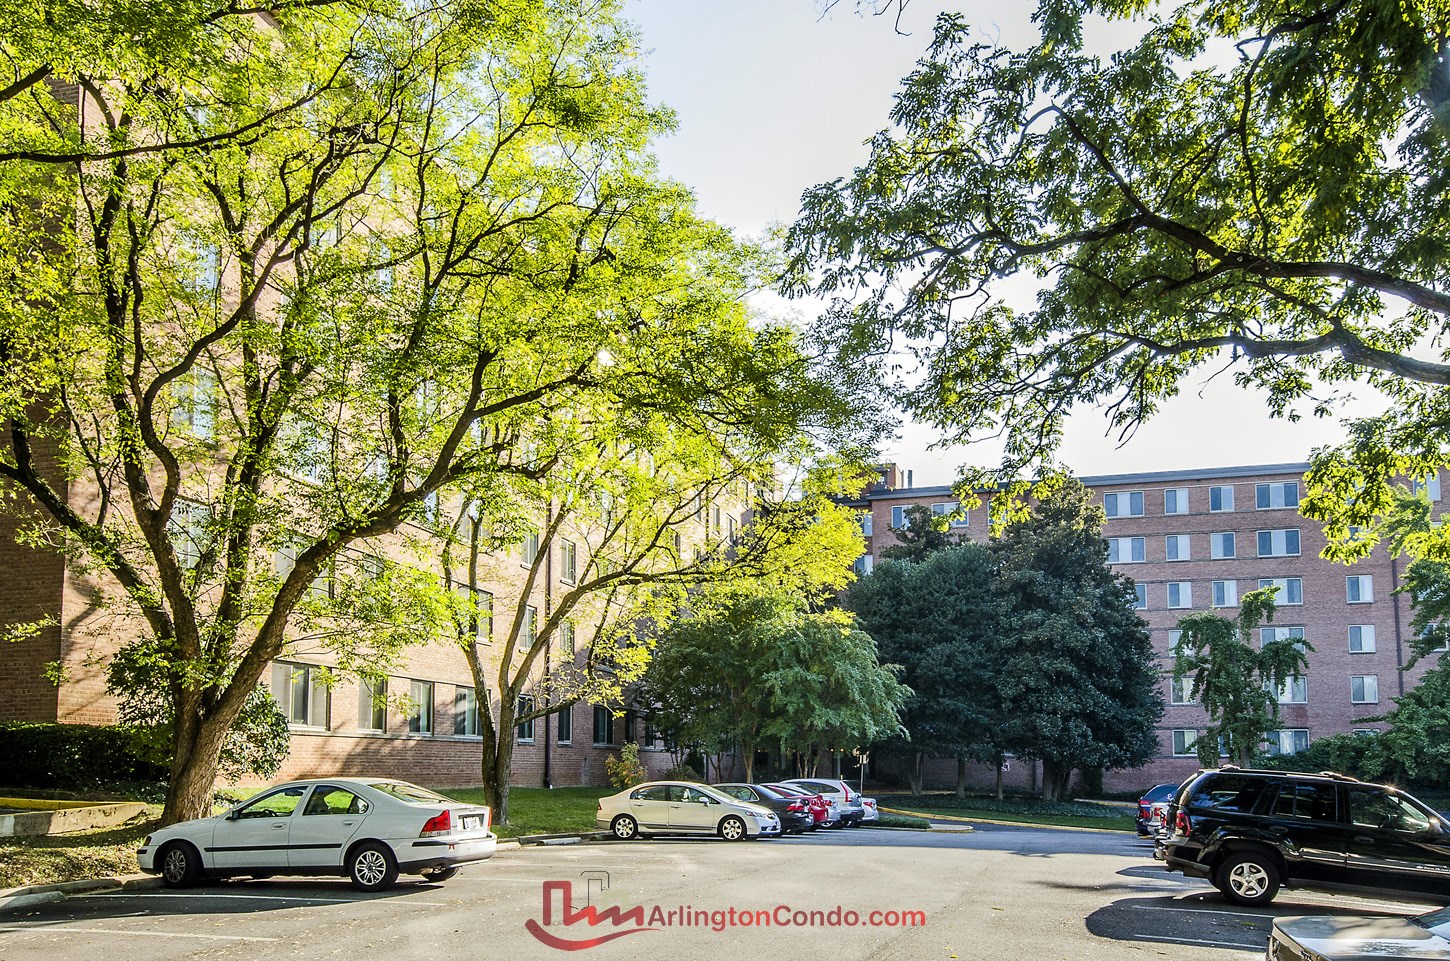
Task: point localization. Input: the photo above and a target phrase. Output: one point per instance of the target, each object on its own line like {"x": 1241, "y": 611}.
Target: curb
{"x": 12, "y": 899}
{"x": 1011, "y": 824}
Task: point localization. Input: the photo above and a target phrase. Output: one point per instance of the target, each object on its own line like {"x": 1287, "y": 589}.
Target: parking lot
{"x": 999, "y": 892}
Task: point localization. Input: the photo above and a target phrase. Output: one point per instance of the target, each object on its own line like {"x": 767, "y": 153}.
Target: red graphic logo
{"x": 589, "y": 914}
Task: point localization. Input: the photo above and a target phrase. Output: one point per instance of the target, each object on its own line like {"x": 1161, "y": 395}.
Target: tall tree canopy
{"x": 277, "y": 285}
{"x": 1254, "y": 185}
{"x": 1078, "y": 687}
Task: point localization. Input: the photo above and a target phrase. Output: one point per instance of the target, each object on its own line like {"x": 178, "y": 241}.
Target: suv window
{"x": 1314, "y": 802}
{"x": 1230, "y": 792}
{"x": 1380, "y": 809}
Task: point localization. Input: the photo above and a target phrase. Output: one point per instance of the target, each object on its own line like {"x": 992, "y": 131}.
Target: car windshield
{"x": 411, "y": 793}
{"x": 1436, "y": 921}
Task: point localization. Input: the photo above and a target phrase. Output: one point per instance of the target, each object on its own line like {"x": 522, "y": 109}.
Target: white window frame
{"x": 1216, "y": 544}
{"x": 1361, "y": 639}
{"x": 1185, "y": 740}
{"x": 468, "y": 696}
{"x": 1226, "y": 593}
{"x": 1113, "y": 504}
{"x": 422, "y": 713}
{"x": 524, "y": 730}
{"x": 1295, "y": 690}
{"x": 1141, "y": 604}
{"x": 1224, "y": 494}
{"x": 1136, "y": 545}
{"x": 1286, "y": 586}
{"x": 1177, "y": 547}
{"x": 1184, "y": 592}
{"x": 1175, "y": 500}
{"x": 1282, "y": 633}
{"x": 1180, "y": 691}
{"x": 1369, "y": 688}
{"x": 1280, "y": 542}
{"x": 1361, "y": 584}
{"x": 1276, "y": 740}
{"x": 372, "y": 706}
{"x": 1275, "y": 495}
{"x": 1430, "y": 485}
{"x": 317, "y": 706}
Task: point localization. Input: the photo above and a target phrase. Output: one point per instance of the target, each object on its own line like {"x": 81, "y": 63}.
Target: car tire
{"x": 624, "y": 827}
{"x": 372, "y": 867}
{"x": 733, "y": 828}
{"x": 180, "y": 865}
{"x": 439, "y": 875}
{"x": 1248, "y": 877}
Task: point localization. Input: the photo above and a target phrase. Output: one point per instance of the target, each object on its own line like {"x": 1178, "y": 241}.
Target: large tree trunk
{"x": 913, "y": 772}
{"x": 191, "y": 787}
{"x": 1055, "y": 777}
{"x": 1000, "y": 761}
{"x": 498, "y": 759}
{"x": 961, "y": 777}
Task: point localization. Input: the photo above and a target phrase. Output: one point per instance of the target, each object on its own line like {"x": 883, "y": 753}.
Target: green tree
{"x": 1077, "y": 683}
{"x": 939, "y": 620}
{"x": 1418, "y": 742}
{"x": 1261, "y": 187}
{"x": 1237, "y": 683}
{"x": 925, "y": 533}
{"x": 750, "y": 665}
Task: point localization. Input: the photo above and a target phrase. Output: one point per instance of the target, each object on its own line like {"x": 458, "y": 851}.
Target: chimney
{"x": 908, "y": 480}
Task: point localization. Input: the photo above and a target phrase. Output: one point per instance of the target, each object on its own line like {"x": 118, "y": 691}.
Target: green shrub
{"x": 627, "y": 768}
{"x": 682, "y": 772}
{"x": 1363, "y": 756}
{"x": 79, "y": 756}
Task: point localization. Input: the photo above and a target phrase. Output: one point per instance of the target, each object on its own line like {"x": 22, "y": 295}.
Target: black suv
{"x": 1251, "y": 831}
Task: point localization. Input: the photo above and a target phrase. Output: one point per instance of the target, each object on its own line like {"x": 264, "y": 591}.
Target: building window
{"x": 1430, "y": 487}
{"x": 950, "y": 509}
{"x": 603, "y": 725}
{"x": 300, "y": 693}
{"x": 630, "y": 726}
{"x": 1184, "y": 741}
{"x": 1225, "y": 593}
{"x": 1126, "y": 550}
{"x": 650, "y": 734}
{"x": 568, "y": 562}
{"x": 1268, "y": 496}
{"x": 196, "y": 404}
{"x": 531, "y": 625}
{"x": 1180, "y": 594}
{"x": 1123, "y": 504}
{"x": 1175, "y": 500}
{"x": 525, "y": 728}
{"x": 1284, "y": 543}
{"x": 566, "y": 637}
{"x": 1180, "y": 690}
{"x": 864, "y": 564}
{"x": 1174, "y": 636}
{"x": 1294, "y": 690}
{"x": 1360, "y": 588}
{"x": 715, "y": 514}
{"x": 1141, "y": 603}
{"x": 565, "y": 716}
{"x": 372, "y": 705}
{"x": 1361, "y": 638}
{"x": 1222, "y": 546}
{"x": 420, "y": 707}
{"x": 1364, "y": 689}
{"x": 898, "y": 517}
{"x": 465, "y": 711}
{"x": 1291, "y": 589}
{"x": 1269, "y": 634}
{"x": 730, "y": 528}
{"x": 1288, "y": 741}
{"x": 1221, "y": 499}
{"x": 187, "y": 528}
{"x": 1176, "y": 547}
{"x": 530, "y": 549}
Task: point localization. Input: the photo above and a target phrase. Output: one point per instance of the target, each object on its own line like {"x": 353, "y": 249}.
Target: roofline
{"x": 1110, "y": 480}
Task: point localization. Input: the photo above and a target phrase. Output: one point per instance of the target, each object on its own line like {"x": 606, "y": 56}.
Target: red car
{"x": 820, "y": 808}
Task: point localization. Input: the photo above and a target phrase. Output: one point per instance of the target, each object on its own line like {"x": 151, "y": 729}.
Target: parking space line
{"x": 1212, "y": 944}
{"x": 46, "y": 929}
{"x": 224, "y": 896}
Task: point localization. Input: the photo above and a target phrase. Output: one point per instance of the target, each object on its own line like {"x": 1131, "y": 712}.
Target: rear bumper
{"x": 425, "y": 854}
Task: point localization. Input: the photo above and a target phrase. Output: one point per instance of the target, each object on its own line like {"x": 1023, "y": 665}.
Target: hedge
{"x": 70, "y": 756}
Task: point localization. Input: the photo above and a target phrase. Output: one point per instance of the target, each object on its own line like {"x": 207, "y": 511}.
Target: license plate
{"x": 472, "y": 823}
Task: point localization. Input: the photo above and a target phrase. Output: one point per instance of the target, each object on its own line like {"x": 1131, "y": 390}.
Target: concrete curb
{"x": 12, "y": 899}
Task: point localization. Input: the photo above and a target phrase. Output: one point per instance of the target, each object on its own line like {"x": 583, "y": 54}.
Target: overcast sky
{"x": 773, "y": 99}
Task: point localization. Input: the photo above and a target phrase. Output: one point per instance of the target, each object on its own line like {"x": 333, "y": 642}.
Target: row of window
{"x": 1285, "y": 741}
{"x": 1363, "y": 689}
{"x": 1361, "y": 637}
{"x": 603, "y": 725}
{"x": 1359, "y": 589}
{"x": 957, "y": 518}
{"x": 1222, "y": 545}
{"x": 1220, "y": 499}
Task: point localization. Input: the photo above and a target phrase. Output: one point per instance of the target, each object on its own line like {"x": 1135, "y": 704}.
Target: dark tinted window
{"x": 656, "y": 793}
{"x": 1314, "y": 802}
{"x": 1160, "y": 793}
{"x": 1381, "y": 809}
{"x": 1229, "y": 792}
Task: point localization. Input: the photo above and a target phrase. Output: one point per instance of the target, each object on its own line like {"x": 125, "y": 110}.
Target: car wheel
{"x": 624, "y": 827}
{"x": 1249, "y": 877}
{"x": 438, "y": 875}
{"x": 372, "y": 867}
{"x": 180, "y": 865}
{"x": 733, "y": 829}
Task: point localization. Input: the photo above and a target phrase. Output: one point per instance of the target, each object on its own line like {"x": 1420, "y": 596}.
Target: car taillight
{"x": 795, "y": 806}
{"x": 1181, "y": 823}
{"x": 1142, "y": 810}
{"x": 487, "y": 819}
{"x": 438, "y": 824}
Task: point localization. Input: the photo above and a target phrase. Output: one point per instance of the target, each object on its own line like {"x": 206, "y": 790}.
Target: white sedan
{"x": 368, "y": 829}
{"x": 680, "y": 807}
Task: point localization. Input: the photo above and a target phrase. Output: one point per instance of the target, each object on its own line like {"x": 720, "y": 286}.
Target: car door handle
{"x": 348, "y": 823}
{"x": 1363, "y": 839}
{"x": 278, "y": 827}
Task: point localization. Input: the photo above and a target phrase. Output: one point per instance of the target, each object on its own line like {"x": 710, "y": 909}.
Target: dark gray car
{"x": 795, "y": 815}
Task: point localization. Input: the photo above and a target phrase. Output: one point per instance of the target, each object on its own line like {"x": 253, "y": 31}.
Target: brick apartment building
{"x": 1198, "y": 540}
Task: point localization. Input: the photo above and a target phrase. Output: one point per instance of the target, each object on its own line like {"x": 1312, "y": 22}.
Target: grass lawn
{"x": 1018, "y": 810}
{"x": 74, "y": 857}
{"x": 537, "y": 810}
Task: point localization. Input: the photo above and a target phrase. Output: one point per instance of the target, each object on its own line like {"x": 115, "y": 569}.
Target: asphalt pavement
{"x": 999, "y": 892}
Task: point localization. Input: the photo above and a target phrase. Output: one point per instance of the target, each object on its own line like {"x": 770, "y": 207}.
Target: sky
{"x": 772, "y": 98}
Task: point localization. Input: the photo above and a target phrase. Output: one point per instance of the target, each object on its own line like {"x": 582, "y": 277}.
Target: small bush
{"x": 627, "y": 768}
{"x": 1362, "y": 756}
{"x": 79, "y": 756}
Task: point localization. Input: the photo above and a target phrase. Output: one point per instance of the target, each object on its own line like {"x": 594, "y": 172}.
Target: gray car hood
{"x": 1370, "y": 939}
